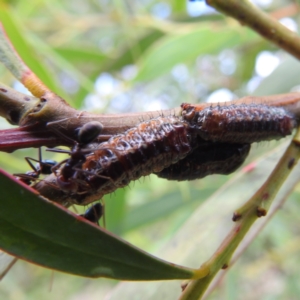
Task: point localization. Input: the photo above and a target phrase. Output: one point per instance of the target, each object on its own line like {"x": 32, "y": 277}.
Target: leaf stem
{"x": 268, "y": 27}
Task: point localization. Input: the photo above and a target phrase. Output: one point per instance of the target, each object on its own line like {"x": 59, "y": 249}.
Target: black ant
{"x": 94, "y": 213}
{"x": 42, "y": 167}
{"x": 86, "y": 134}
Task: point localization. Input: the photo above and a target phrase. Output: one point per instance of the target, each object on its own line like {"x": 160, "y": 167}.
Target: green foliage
{"x": 37, "y": 231}
{"x": 69, "y": 44}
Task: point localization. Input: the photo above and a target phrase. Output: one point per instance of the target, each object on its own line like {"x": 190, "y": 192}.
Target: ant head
{"x": 89, "y": 131}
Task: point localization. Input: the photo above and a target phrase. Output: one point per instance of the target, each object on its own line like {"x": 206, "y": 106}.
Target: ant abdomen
{"x": 94, "y": 213}
{"x": 89, "y": 131}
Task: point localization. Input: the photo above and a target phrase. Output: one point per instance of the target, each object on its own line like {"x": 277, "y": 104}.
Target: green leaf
{"x": 167, "y": 204}
{"x": 41, "y": 232}
{"x": 178, "y": 6}
{"x": 281, "y": 80}
{"x": 185, "y": 47}
{"x": 130, "y": 54}
{"x": 245, "y": 68}
{"x": 75, "y": 54}
{"x": 64, "y": 65}
{"x": 16, "y": 36}
{"x": 115, "y": 209}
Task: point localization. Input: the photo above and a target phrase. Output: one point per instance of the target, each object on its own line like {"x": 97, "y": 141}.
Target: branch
{"x": 268, "y": 27}
{"x": 48, "y": 115}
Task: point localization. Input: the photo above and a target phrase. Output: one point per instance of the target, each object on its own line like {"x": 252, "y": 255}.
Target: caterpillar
{"x": 207, "y": 159}
{"x": 149, "y": 147}
{"x": 200, "y": 142}
{"x": 239, "y": 123}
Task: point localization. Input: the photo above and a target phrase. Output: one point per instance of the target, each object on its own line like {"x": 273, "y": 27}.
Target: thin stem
{"x": 268, "y": 27}
{"x": 249, "y": 214}
{"x": 13, "y": 62}
{"x": 253, "y": 234}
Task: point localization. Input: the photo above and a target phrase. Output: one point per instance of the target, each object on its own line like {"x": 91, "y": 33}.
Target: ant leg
{"x": 43, "y": 166}
{"x": 7, "y": 262}
{"x": 103, "y": 209}
{"x": 94, "y": 174}
{"x": 28, "y": 160}
{"x": 56, "y": 150}
{"x": 57, "y": 166}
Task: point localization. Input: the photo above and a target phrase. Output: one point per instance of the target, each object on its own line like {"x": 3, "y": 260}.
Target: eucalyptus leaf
{"x": 16, "y": 36}
{"x": 46, "y": 234}
{"x": 185, "y": 47}
{"x": 282, "y": 79}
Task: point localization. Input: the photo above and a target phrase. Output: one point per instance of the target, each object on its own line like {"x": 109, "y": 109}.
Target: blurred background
{"x": 130, "y": 56}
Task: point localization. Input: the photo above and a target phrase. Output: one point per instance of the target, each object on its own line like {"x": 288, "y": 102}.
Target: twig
{"x": 257, "y": 206}
{"x": 262, "y": 23}
{"x": 252, "y": 235}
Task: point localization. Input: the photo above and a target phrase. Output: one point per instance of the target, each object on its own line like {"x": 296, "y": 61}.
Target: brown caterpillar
{"x": 207, "y": 159}
{"x": 199, "y": 143}
{"x": 149, "y": 147}
{"x": 239, "y": 123}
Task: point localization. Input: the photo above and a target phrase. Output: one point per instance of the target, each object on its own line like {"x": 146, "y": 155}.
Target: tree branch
{"x": 268, "y": 27}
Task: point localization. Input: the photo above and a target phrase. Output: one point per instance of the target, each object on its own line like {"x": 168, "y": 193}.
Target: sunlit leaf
{"x": 76, "y": 54}
{"x": 21, "y": 45}
{"x": 167, "y": 204}
{"x": 281, "y": 80}
{"x": 130, "y": 54}
{"x": 185, "y": 47}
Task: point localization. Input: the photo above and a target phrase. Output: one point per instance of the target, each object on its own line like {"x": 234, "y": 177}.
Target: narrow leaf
{"x": 185, "y": 47}
{"x": 47, "y": 234}
{"x": 34, "y": 80}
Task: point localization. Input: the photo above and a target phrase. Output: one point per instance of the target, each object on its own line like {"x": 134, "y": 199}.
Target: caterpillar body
{"x": 239, "y": 123}
{"x": 207, "y": 159}
{"x": 149, "y": 147}
{"x": 200, "y": 142}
